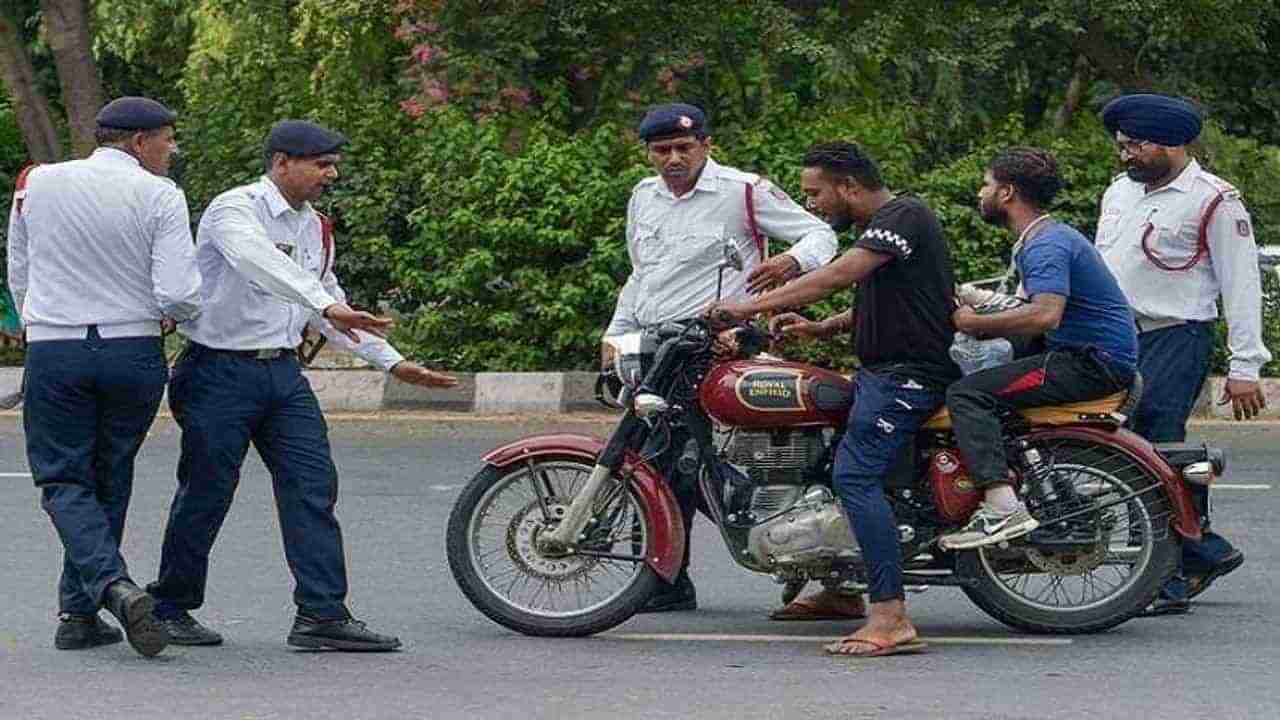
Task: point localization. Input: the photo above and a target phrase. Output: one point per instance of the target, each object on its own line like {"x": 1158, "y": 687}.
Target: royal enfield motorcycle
{"x": 568, "y": 535}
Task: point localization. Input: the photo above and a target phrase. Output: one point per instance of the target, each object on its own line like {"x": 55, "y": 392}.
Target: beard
{"x": 997, "y": 216}
{"x": 841, "y": 221}
{"x": 1150, "y": 172}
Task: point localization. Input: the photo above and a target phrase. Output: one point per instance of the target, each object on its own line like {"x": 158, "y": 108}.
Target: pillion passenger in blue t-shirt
{"x": 1061, "y": 261}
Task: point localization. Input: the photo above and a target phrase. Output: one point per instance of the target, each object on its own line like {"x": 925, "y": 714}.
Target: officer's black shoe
{"x": 345, "y": 634}
{"x": 680, "y": 595}
{"x": 1197, "y": 583}
{"x": 186, "y": 630}
{"x": 77, "y": 632}
{"x": 135, "y": 609}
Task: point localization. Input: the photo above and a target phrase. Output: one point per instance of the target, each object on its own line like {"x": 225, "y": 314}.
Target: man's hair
{"x": 114, "y": 136}
{"x": 1032, "y": 172}
{"x": 846, "y": 161}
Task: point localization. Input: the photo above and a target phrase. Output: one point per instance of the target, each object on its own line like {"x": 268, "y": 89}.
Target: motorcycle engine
{"x": 812, "y": 531}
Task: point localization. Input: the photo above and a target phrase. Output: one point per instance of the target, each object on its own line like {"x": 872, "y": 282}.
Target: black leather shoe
{"x": 135, "y": 609}
{"x": 673, "y": 598}
{"x": 345, "y": 634}
{"x": 77, "y": 632}
{"x": 1197, "y": 584}
{"x": 186, "y": 630}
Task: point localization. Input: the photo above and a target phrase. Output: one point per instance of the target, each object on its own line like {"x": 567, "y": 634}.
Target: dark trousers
{"x": 224, "y": 402}
{"x": 1051, "y": 378}
{"x": 89, "y": 404}
{"x": 887, "y": 412}
{"x": 1174, "y": 363}
{"x": 665, "y": 452}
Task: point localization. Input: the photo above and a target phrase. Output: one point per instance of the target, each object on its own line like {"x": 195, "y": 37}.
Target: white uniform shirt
{"x": 676, "y": 244}
{"x": 101, "y": 241}
{"x": 1174, "y": 213}
{"x": 262, "y": 277}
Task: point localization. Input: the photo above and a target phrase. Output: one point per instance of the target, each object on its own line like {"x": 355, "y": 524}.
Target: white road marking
{"x": 937, "y": 640}
{"x": 1224, "y": 486}
{"x": 443, "y": 488}
{"x": 15, "y": 474}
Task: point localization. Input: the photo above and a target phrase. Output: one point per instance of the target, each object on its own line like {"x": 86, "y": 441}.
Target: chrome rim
{"x": 503, "y": 537}
{"x": 1079, "y": 581}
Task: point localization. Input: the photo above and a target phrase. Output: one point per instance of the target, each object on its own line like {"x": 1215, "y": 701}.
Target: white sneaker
{"x": 989, "y": 526}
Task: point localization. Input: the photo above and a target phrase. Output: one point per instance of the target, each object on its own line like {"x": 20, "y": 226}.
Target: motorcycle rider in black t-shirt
{"x": 901, "y": 321}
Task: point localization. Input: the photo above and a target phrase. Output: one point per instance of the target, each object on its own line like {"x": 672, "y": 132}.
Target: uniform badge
{"x": 1242, "y": 227}
{"x": 686, "y": 122}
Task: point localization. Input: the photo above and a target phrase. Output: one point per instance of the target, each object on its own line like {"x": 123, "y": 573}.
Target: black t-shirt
{"x": 903, "y": 310}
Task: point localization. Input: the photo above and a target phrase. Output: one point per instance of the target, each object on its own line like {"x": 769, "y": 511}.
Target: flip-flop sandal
{"x": 882, "y": 648}
{"x": 1163, "y": 607}
{"x": 1231, "y": 562}
{"x": 804, "y": 611}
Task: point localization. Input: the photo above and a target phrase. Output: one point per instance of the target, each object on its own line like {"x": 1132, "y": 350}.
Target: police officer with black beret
{"x": 268, "y": 274}
{"x": 100, "y": 257}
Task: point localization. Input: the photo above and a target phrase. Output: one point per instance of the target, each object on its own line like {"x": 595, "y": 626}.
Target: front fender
{"x": 1186, "y": 521}
{"x": 666, "y": 537}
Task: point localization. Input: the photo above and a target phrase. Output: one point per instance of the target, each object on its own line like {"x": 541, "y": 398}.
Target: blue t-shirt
{"x": 1061, "y": 261}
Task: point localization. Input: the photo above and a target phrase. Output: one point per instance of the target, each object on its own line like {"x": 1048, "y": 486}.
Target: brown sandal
{"x": 810, "y": 610}
{"x": 882, "y": 647}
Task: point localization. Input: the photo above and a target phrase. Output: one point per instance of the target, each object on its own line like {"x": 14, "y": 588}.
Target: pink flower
{"x": 424, "y": 53}
{"x": 436, "y": 92}
{"x": 429, "y": 28}
{"x": 412, "y": 108}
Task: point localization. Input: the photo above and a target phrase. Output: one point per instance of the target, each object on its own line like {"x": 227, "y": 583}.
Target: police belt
{"x": 1146, "y": 324}
{"x": 106, "y": 331}
{"x": 265, "y": 354}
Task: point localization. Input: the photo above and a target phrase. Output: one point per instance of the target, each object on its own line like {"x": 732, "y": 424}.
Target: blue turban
{"x": 673, "y": 119}
{"x": 1155, "y": 118}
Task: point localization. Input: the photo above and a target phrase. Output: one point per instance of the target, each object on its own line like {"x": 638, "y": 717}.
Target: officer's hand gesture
{"x": 414, "y": 374}
{"x": 1246, "y": 398}
{"x": 348, "y": 320}
{"x": 772, "y": 273}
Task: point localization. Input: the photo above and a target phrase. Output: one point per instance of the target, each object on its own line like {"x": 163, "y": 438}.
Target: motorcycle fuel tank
{"x": 774, "y": 393}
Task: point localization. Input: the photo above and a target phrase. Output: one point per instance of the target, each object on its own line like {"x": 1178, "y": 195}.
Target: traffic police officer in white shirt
{"x": 1177, "y": 237}
{"x": 100, "y": 256}
{"x": 677, "y": 225}
{"x": 266, "y": 276}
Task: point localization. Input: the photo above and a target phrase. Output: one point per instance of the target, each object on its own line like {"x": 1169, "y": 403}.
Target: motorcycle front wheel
{"x": 498, "y": 564}
{"x": 1087, "y": 589}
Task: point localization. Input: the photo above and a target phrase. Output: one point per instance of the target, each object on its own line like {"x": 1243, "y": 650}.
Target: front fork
{"x": 567, "y": 534}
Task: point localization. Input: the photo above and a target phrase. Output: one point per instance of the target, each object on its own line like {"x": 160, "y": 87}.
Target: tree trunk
{"x": 31, "y": 107}
{"x": 1112, "y": 60}
{"x": 66, "y": 28}
{"x": 1075, "y": 95}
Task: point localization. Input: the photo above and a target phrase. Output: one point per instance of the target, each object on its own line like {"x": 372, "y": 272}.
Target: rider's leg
{"x": 975, "y": 402}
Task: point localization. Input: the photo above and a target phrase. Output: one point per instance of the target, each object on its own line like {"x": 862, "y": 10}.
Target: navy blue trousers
{"x": 888, "y": 411}
{"x": 1174, "y": 363}
{"x": 224, "y": 403}
{"x": 89, "y": 404}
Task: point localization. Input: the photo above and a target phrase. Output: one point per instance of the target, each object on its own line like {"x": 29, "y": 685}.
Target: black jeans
{"x": 89, "y": 404}
{"x": 1053, "y": 378}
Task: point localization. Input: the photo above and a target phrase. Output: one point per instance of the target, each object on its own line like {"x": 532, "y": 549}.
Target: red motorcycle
{"x": 568, "y": 535}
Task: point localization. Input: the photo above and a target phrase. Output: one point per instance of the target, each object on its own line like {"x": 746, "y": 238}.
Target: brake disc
{"x": 522, "y": 545}
{"x": 1064, "y": 563}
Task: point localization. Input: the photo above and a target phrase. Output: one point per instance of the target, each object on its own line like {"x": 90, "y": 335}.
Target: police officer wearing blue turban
{"x": 267, "y": 275}
{"x": 678, "y": 223}
{"x": 1177, "y": 238}
{"x": 100, "y": 257}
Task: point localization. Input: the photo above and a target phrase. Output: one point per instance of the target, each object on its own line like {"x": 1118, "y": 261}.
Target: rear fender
{"x": 666, "y": 537}
{"x": 1186, "y": 521}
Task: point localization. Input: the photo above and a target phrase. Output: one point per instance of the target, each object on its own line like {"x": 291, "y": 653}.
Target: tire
{"x": 997, "y": 599}
{"x": 618, "y": 608}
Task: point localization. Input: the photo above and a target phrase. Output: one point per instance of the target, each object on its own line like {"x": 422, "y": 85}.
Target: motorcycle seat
{"x": 1113, "y": 409}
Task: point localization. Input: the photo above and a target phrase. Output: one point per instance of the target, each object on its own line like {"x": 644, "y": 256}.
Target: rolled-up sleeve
{"x": 240, "y": 237}
{"x": 1235, "y": 262}
{"x": 813, "y": 242}
{"x": 371, "y": 348}
{"x": 175, "y": 279}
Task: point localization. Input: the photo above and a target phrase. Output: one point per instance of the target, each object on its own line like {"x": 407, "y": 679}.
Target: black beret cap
{"x": 1159, "y": 119}
{"x": 673, "y": 119}
{"x": 135, "y": 113}
{"x": 302, "y": 139}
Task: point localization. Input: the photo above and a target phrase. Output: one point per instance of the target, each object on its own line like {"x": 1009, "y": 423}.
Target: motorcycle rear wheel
{"x": 1084, "y": 592}
{"x": 495, "y": 560}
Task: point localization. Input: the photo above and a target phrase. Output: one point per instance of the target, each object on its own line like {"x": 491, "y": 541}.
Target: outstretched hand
{"x": 411, "y": 372}
{"x": 347, "y": 320}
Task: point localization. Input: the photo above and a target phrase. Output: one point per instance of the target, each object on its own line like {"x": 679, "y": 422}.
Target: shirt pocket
{"x": 700, "y": 243}
{"x": 1170, "y": 243}
{"x": 648, "y": 249}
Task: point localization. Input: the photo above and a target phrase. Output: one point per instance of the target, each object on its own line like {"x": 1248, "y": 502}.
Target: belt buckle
{"x": 269, "y": 354}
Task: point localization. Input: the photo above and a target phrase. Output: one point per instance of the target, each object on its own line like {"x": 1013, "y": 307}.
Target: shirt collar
{"x": 276, "y": 203}
{"x": 115, "y": 155}
{"x": 1187, "y": 178}
{"x": 707, "y": 180}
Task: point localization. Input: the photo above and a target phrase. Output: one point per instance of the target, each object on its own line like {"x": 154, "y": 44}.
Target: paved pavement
{"x": 399, "y": 477}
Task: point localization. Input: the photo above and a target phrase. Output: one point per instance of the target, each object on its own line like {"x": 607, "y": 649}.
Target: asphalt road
{"x": 399, "y": 477}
